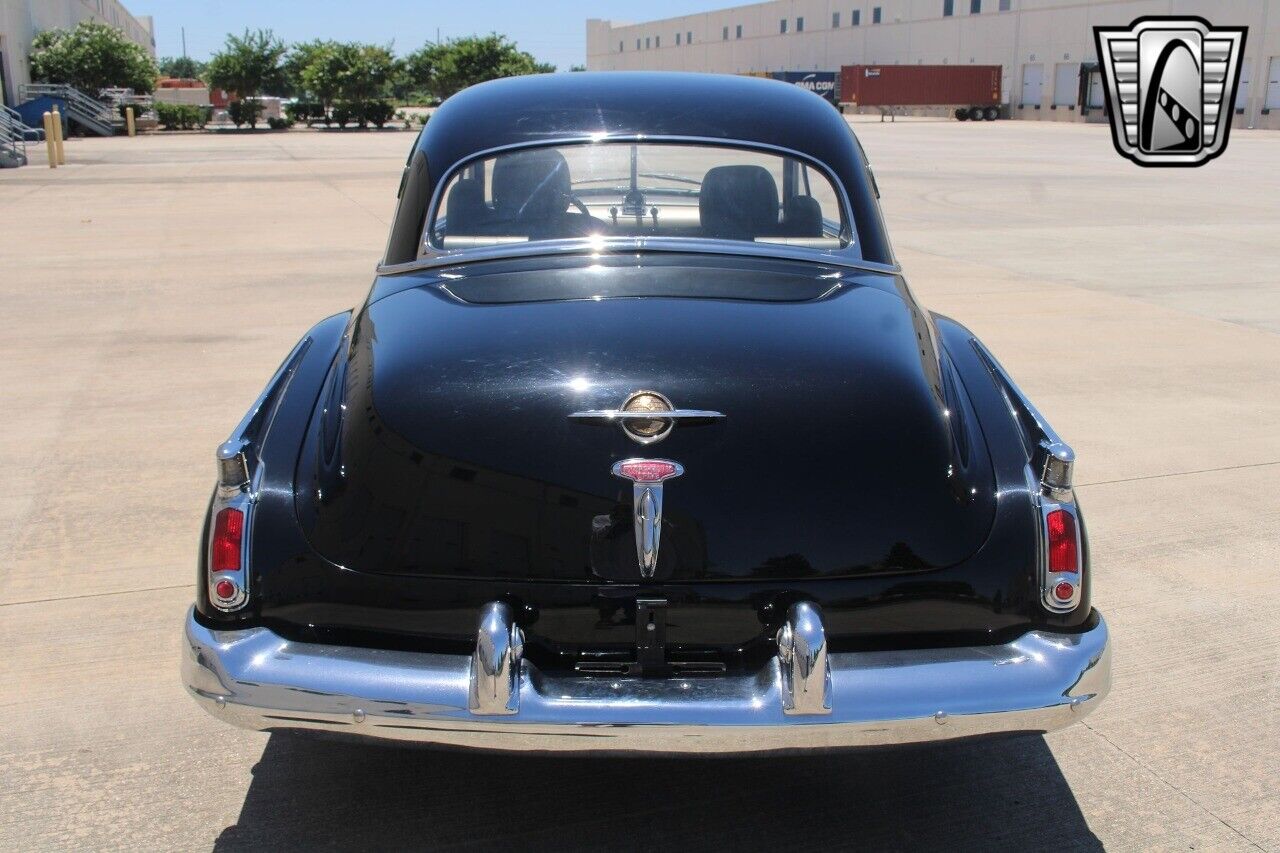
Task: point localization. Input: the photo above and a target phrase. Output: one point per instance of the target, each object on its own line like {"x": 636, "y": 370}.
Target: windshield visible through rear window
{"x": 639, "y": 190}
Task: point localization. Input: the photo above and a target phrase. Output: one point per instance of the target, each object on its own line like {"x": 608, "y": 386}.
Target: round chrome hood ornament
{"x": 647, "y": 430}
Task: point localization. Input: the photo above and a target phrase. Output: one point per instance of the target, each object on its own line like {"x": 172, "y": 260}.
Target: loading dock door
{"x": 1032, "y": 84}
{"x": 1066, "y": 84}
{"x": 1097, "y": 100}
{"x": 1242, "y": 93}
{"x": 1273, "y": 85}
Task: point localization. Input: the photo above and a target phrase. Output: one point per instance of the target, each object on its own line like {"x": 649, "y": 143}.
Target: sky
{"x": 553, "y": 31}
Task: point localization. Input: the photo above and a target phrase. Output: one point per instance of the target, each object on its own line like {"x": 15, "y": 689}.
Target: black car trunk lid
{"x": 445, "y": 446}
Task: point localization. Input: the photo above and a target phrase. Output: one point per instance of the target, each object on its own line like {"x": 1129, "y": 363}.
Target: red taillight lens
{"x": 228, "y": 526}
{"x": 1063, "y": 554}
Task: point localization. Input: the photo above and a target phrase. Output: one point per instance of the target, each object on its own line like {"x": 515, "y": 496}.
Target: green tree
{"x": 366, "y": 76}
{"x": 248, "y": 66}
{"x": 443, "y": 69}
{"x": 301, "y": 57}
{"x": 181, "y": 66}
{"x": 91, "y": 57}
{"x": 357, "y": 74}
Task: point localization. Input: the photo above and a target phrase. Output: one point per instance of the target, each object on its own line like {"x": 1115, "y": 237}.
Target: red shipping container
{"x": 920, "y": 85}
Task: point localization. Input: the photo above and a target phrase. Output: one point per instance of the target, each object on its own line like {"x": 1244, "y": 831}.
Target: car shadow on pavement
{"x": 310, "y": 793}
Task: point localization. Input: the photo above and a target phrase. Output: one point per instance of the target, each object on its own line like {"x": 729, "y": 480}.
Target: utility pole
{"x": 184, "y": 42}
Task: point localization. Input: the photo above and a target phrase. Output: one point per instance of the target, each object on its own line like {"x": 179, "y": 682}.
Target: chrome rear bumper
{"x": 804, "y": 698}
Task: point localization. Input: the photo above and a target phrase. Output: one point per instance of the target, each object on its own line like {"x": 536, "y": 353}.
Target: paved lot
{"x": 151, "y": 286}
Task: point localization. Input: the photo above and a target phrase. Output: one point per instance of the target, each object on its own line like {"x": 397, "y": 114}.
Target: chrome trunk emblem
{"x": 647, "y": 416}
{"x": 646, "y": 476}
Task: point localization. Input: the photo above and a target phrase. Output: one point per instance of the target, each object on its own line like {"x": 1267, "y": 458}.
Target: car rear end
{"x": 382, "y": 591}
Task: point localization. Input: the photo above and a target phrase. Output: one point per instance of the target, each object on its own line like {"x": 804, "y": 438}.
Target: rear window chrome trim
{"x": 629, "y": 245}
{"x": 432, "y": 256}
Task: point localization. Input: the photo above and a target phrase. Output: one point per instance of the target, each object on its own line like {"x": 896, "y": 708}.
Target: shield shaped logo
{"x": 1171, "y": 88}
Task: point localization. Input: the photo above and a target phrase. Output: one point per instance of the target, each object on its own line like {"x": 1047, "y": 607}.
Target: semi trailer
{"x": 972, "y": 90}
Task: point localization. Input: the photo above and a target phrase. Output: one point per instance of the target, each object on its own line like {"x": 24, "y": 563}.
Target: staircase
{"x": 14, "y": 135}
{"x": 120, "y": 98}
{"x": 91, "y": 114}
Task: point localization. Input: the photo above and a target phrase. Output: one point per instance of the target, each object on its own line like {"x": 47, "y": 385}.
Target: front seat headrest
{"x": 530, "y": 186}
{"x": 738, "y": 202}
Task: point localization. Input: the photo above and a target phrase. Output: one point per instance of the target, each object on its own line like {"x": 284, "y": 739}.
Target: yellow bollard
{"x": 57, "y": 137}
{"x": 49, "y": 141}
{"x": 128, "y": 120}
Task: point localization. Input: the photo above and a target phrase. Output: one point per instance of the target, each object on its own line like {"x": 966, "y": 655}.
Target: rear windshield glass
{"x": 637, "y": 190}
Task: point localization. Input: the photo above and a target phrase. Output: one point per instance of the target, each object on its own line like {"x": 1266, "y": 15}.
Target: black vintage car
{"x": 640, "y": 441}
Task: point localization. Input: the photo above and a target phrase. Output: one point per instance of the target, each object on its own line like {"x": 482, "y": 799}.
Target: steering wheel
{"x": 572, "y": 199}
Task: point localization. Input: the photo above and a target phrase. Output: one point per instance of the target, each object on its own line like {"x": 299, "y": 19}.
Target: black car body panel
{"x": 421, "y": 461}
{"x": 844, "y": 450}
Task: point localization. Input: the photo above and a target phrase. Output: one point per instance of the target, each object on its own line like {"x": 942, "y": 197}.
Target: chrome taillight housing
{"x": 1061, "y": 562}
{"x": 230, "y": 512}
{"x": 1061, "y": 551}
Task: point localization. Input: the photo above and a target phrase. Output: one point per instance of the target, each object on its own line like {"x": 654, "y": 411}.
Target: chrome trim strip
{"x": 251, "y": 425}
{"x": 617, "y": 245}
{"x": 1052, "y": 458}
{"x": 1038, "y": 682}
{"x": 608, "y": 415}
{"x": 425, "y": 246}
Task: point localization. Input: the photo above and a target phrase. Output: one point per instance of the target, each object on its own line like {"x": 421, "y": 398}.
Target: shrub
{"x": 244, "y": 112}
{"x": 342, "y": 113}
{"x": 302, "y": 111}
{"x": 379, "y": 112}
{"x": 182, "y": 116}
{"x": 279, "y": 123}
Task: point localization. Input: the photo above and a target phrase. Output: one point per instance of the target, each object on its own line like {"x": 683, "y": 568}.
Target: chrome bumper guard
{"x": 805, "y": 698}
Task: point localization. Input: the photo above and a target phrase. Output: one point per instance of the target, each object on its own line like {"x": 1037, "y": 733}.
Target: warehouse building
{"x": 1044, "y": 47}
{"x": 20, "y": 20}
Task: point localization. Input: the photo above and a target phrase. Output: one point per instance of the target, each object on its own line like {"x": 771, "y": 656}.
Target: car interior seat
{"x": 532, "y": 192}
{"x": 802, "y": 217}
{"x": 465, "y": 212}
{"x": 738, "y": 203}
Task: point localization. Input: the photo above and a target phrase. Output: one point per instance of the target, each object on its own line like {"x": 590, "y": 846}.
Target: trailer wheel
{"x": 991, "y": 114}
{"x": 962, "y": 114}
{"x": 975, "y": 113}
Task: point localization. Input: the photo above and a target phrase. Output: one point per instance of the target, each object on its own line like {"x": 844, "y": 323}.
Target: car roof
{"x": 596, "y": 106}
{"x": 540, "y": 107}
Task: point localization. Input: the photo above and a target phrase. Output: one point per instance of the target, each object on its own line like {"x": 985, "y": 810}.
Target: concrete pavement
{"x": 152, "y": 285}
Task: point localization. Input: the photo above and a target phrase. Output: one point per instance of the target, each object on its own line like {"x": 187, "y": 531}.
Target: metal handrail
{"x": 118, "y": 98}
{"x": 89, "y": 112}
{"x": 13, "y": 133}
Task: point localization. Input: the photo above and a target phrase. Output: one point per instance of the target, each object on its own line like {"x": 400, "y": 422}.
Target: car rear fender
{"x": 266, "y": 438}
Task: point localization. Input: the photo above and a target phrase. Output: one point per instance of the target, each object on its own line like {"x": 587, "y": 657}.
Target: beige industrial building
{"x": 20, "y": 20}
{"x": 1045, "y": 47}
